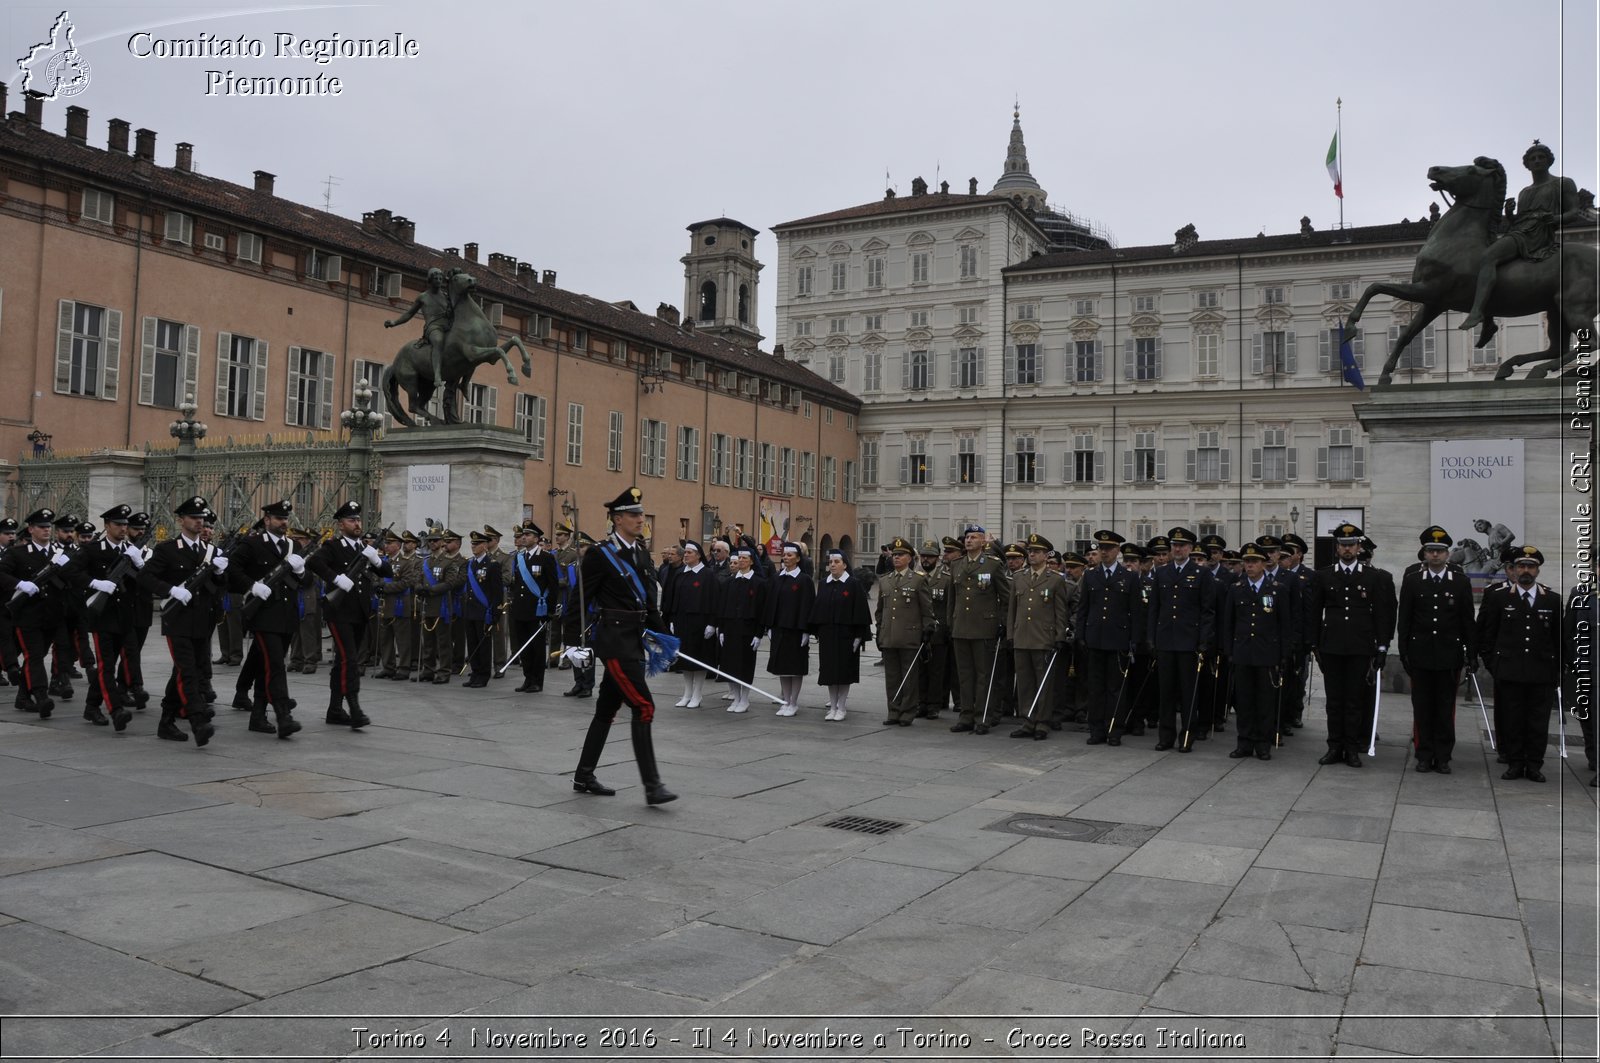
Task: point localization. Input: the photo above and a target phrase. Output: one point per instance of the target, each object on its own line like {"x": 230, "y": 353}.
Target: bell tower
{"x": 720, "y": 273}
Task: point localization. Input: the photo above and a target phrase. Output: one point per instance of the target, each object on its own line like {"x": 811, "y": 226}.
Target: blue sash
{"x": 446, "y": 613}
{"x": 477, "y": 592}
{"x": 610, "y": 550}
{"x": 529, "y": 582}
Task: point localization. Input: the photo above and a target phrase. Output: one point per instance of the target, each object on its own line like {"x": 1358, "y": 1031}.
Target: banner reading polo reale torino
{"x": 427, "y": 495}
{"x": 1478, "y": 497}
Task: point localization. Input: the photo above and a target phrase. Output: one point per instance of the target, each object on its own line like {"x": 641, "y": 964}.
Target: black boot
{"x": 93, "y": 714}
{"x": 200, "y": 724}
{"x": 168, "y": 727}
{"x": 43, "y": 706}
{"x": 241, "y": 700}
{"x": 336, "y": 714}
{"x": 287, "y": 724}
{"x": 358, "y": 719}
{"x": 644, "y": 751}
{"x": 258, "y": 719}
{"x": 121, "y": 718}
{"x": 584, "y": 782}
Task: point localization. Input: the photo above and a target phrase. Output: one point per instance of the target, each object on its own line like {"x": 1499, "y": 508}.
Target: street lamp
{"x": 1294, "y": 519}
{"x": 186, "y": 429}
{"x": 362, "y": 419}
{"x": 41, "y": 442}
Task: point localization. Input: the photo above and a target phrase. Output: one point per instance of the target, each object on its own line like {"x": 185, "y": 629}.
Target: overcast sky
{"x": 584, "y": 137}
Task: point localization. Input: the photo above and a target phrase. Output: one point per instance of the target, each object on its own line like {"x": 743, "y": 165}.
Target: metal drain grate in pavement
{"x": 864, "y": 824}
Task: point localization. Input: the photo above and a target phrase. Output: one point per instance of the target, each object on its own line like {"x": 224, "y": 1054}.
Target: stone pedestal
{"x": 486, "y": 468}
{"x": 115, "y": 477}
{"x": 1402, "y": 422}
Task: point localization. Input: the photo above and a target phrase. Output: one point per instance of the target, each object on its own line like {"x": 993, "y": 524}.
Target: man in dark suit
{"x": 1294, "y": 573}
{"x": 1434, "y": 641}
{"x": 1350, "y": 617}
{"x": 619, "y": 579}
{"x": 1104, "y": 628}
{"x": 1179, "y": 623}
{"x": 1519, "y": 636}
{"x": 265, "y": 567}
{"x": 349, "y": 568}
{"x": 189, "y": 572}
{"x": 1255, "y": 630}
{"x": 532, "y": 596}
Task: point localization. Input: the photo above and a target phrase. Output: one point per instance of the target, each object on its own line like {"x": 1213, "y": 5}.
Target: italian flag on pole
{"x": 1333, "y": 166}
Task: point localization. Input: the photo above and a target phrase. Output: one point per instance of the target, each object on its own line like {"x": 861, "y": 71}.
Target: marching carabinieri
{"x": 618, "y": 577}
{"x": 349, "y": 569}
{"x": 1434, "y": 641}
{"x": 30, "y": 580}
{"x": 104, "y": 572}
{"x": 190, "y": 573}
{"x": 906, "y": 623}
{"x": 266, "y": 568}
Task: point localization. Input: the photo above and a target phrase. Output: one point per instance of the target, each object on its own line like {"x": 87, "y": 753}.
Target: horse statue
{"x": 470, "y": 342}
{"x": 1562, "y": 286}
{"x": 1472, "y": 556}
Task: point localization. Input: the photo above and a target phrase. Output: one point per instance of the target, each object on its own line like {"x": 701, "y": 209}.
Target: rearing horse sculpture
{"x": 471, "y": 342}
{"x": 1445, "y": 277}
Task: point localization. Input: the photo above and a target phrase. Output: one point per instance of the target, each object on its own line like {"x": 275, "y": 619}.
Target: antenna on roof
{"x": 327, "y": 191}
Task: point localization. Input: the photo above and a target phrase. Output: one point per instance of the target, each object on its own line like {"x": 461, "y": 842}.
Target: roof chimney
{"x": 33, "y": 107}
{"x": 144, "y": 144}
{"x": 919, "y": 187}
{"x": 117, "y": 136}
{"x": 505, "y": 265}
{"x": 405, "y": 229}
{"x": 944, "y": 188}
{"x": 77, "y": 125}
{"x": 377, "y": 221}
{"x": 777, "y": 351}
{"x": 471, "y": 252}
{"x": 2, "y": 101}
{"x": 972, "y": 186}
{"x": 526, "y": 274}
{"x": 665, "y": 312}
{"x": 264, "y": 182}
{"x": 550, "y": 277}
{"x": 184, "y": 159}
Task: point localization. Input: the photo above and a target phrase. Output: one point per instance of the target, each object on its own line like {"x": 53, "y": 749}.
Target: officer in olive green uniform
{"x": 442, "y": 578}
{"x": 904, "y": 623}
{"x": 979, "y": 593}
{"x": 395, "y": 593}
{"x": 1037, "y": 624}
{"x": 408, "y": 636}
{"x": 937, "y": 678}
{"x": 498, "y": 636}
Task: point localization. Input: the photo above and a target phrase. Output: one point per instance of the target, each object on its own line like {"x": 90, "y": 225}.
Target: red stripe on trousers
{"x": 177, "y": 679}
{"x": 343, "y": 658}
{"x": 100, "y": 672}
{"x": 27, "y": 672}
{"x": 630, "y": 693}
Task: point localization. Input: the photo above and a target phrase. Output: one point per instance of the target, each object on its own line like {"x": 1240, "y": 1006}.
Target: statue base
{"x": 461, "y": 476}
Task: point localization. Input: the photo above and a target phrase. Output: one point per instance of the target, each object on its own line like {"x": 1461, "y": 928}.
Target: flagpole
{"x": 1338, "y": 128}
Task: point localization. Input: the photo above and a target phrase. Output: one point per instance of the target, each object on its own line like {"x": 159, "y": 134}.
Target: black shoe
{"x": 1040, "y": 736}
{"x": 1186, "y": 747}
{"x": 93, "y": 714}
{"x": 527, "y": 687}
{"x": 1353, "y": 759}
{"x": 202, "y": 732}
{"x": 260, "y": 724}
{"x": 401, "y": 677}
{"x": 1533, "y": 775}
{"x": 591, "y": 785}
{"x": 980, "y": 728}
{"x": 474, "y": 682}
{"x": 1332, "y": 756}
{"x": 169, "y": 730}
{"x": 1022, "y": 732}
{"x": 1096, "y": 740}
{"x": 440, "y": 680}
{"x": 386, "y": 673}
{"x": 358, "y": 719}
{"x": 287, "y": 725}
{"x": 1238, "y": 754}
{"x": 336, "y": 716}
{"x": 577, "y": 691}
{"x": 73, "y": 672}
{"x": 1423, "y": 767}
{"x": 1442, "y": 767}
{"x": 1137, "y": 731}
{"x": 1594, "y": 780}
{"x": 1162, "y": 747}
{"x": 1113, "y": 740}
{"x": 241, "y": 701}
{"x": 960, "y": 728}
{"x": 1263, "y": 753}
{"x": 1055, "y": 725}
{"x": 1513, "y": 772}
{"x": 121, "y": 718}
{"x": 44, "y": 706}
{"x": 658, "y": 795}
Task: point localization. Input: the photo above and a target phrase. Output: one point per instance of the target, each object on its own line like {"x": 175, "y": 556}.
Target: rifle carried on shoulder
{"x": 193, "y": 582}
{"x": 252, "y": 605}
{"x": 98, "y": 600}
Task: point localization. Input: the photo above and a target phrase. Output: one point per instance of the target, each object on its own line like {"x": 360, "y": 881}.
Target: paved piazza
{"x": 435, "y": 883}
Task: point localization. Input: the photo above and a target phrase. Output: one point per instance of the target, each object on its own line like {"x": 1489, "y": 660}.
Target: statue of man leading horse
{"x": 457, "y": 338}
{"x": 1468, "y": 265}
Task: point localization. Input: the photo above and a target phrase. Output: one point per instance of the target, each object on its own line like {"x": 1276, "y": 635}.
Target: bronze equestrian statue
{"x": 456, "y": 342}
{"x": 1467, "y": 266}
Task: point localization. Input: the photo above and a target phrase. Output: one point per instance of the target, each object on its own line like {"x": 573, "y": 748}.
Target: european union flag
{"x": 1347, "y": 361}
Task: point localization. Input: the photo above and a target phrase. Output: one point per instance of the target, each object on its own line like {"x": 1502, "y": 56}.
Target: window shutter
{"x": 1158, "y": 358}
{"x": 333, "y": 265}
{"x": 955, "y": 471}
{"x": 905, "y": 372}
{"x": 977, "y": 469}
{"x": 1322, "y": 463}
{"x": 1258, "y": 361}
{"x": 259, "y": 412}
{"x": 112, "y": 361}
{"x": 191, "y": 364}
{"x": 224, "y": 343}
{"x": 1161, "y": 464}
{"x": 66, "y": 307}
{"x": 1099, "y": 361}
{"x": 1099, "y": 466}
{"x": 1358, "y": 347}
{"x": 1127, "y": 360}
{"x": 1188, "y": 465}
{"x": 1427, "y": 348}
{"x": 147, "y": 362}
{"x": 290, "y": 414}
{"x": 905, "y": 470}
{"x": 981, "y": 360}
{"x": 1360, "y": 463}
{"x": 955, "y": 368}
{"x": 1011, "y": 469}
{"x": 1394, "y": 334}
{"x": 1127, "y": 466}
{"x": 1226, "y": 455}
{"x": 1293, "y": 463}
{"x": 1291, "y": 364}
{"x": 1255, "y": 463}
{"x": 325, "y": 392}
{"x": 391, "y": 285}
{"x": 1325, "y": 359}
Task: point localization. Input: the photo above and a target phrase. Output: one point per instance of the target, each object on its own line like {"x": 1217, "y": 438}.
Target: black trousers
{"x": 33, "y": 642}
{"x": 1348, "y": 687}
{"x": 1255, "y": 700}
{"x": 103, "y": 685}
{"x": 185, "y": 694}
{"x": 130, "y": 669}
{"x": 1294, "y": 689}
{"x": 623, "y": 683}
{"x": 1215, "y": 710}
{"x": 480, "y": 647}
{"x": 267, "y": 649}
{"x": 535, "y": 656}
{"x": 1433, "y": 713}
{"x": 348, "y": 635}
{"x": 1522, "y": 721}
{"x": 1175, "y": 671}
{"x": 1103, "y": 676}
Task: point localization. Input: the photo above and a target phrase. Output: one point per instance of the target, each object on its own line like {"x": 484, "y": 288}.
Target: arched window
{"x": 708, "y": 301}
{"x": 744, "y": 304}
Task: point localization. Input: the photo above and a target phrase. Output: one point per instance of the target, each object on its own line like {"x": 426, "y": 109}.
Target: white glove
{"x": 104, "y": 586}
{"x": 578, "y": 655}
{"x": 710, "y": 630}
{"x": 261, "y": 590}
{"x": 181, "y": 593}
{"x": 805, "y": 640}
{"x": 855, "y": 645}
{"x": 135, "y": 555}
{"x": 27, "y": 587}
{"x": 672, "y": 628}
{"x": 219, "y": 563}
{"x": 344, "y": 583}
{"x": 297, "y": 564}
{"x": 61, "y": 559}
{"x": 371, "y": 554}
{"x": 755, "y": 642}
{"x": 720, "y": 638}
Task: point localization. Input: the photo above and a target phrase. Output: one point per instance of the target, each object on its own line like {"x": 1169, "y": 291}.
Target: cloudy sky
{"x": 583, "y": 137}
